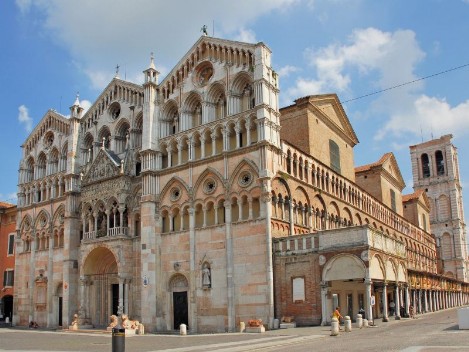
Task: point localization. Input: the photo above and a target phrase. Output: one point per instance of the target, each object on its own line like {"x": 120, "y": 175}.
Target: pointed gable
{"x": 51, "y": 121}
{"x": 419, "y": 196}
{"x": 386, "y": 165}
{"x": 328, "y": 108}
{"x": 106, "y": 165}
{"x": 116, "y": 91}
{"x": 211, "y": 49}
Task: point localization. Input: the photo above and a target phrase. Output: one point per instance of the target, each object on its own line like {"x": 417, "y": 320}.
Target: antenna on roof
{"x": 213, "y": 28}
{"x": 421, "y": 133}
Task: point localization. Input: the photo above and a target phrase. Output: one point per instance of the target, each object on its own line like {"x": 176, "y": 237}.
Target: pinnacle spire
{"x": 152, "y": 61}
{"x": 77, "y": 100}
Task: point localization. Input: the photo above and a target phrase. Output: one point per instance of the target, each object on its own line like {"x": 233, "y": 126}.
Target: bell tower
{"x": 435, "y": 169}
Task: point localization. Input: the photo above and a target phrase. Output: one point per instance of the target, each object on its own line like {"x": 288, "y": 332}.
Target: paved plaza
{"x": 432, "y": 332}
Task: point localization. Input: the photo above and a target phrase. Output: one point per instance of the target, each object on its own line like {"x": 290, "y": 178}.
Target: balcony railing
{"x": 109, "y": 233}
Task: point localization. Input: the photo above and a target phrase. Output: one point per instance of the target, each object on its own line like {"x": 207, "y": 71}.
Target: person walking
{"x": 392, "y": 307}
{"x": 337, "y": 314}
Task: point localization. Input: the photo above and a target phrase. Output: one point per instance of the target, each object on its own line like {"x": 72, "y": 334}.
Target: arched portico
{"x": 342, "y": 284}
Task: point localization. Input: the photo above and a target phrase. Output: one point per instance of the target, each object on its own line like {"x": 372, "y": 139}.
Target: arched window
{"x": 440, "y": 163}
{"x": 334, "y": 152}
{"x": 425, "y": 166}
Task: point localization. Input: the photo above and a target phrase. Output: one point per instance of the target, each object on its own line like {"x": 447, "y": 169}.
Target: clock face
{"x": 204, "y": 74}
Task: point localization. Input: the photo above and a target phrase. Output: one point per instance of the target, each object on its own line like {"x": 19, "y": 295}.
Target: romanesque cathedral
{"x": 196, "y": 199}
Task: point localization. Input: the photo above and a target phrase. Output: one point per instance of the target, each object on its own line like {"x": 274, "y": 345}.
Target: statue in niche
{"x": 206, "y": 276}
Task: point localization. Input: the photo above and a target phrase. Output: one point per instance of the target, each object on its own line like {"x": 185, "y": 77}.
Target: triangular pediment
{"x": 204, "y": 49}
{"x": 328, "y": 108}
{"x": 106, "y": 165}
{"x": 110, "y": 94}
{"x": 390, "y": 165}
{"x": 51, "y": 121}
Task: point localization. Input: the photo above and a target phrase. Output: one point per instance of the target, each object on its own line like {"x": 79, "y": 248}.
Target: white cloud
{"x": 9, "y": 197}
{"x": 387, "y": 58}
{"x": 100, "y": 34}
{"x": 23, "y": 5}
{"x": 246, "y": 35}
{"x": 428, "y": 114}
{"x": 24, "y": 118}
{"x": 286, "y": 70}
{"x": 370, "y": 50}
{"x": 85, "y": 104}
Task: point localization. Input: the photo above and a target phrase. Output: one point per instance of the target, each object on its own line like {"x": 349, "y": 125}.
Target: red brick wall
{"x": 285, "y": 270}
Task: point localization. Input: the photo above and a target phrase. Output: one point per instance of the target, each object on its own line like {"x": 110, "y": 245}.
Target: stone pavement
{"x": 297, "y": 339}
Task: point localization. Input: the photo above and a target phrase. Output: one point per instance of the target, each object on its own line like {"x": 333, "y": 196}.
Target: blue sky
{"x": 52, "y": 49}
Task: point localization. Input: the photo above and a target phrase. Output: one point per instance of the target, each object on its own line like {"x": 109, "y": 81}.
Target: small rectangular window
{"x": 8, "y": 278}
{"x": 11, "y": 243}
{"x": 393, "y": 200}
{"x": 334, "y": 154}
{"x": 298, "y": 289}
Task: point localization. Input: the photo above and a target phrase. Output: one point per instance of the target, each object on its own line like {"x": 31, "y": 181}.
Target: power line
{"x": 406, "y": 83}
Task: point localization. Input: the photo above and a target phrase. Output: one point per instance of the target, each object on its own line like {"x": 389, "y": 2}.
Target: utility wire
{"x": 406, "y": 83}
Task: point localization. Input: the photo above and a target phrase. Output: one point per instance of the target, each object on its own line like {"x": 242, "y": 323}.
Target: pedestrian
{"x": 337, "y": 314}
{"x": 392, "y": 307}
{"x": 411, "y": 312}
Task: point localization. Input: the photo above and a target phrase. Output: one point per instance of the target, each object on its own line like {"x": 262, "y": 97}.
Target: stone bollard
{"x": 242, "y": 326}
{"x": 276, "y": 324}
{"x": 365, "y": 323}
{"x": 334, "y": 327}
{"x": 141, "y": 329}
{"x": 347, "y": 324}
{"x": 183, "y": 329}
{"x": 359, "y": 321}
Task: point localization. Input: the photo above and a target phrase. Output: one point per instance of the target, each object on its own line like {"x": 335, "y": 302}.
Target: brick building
{"x": 197, "y": 200}
{"x": 7, "y": 258}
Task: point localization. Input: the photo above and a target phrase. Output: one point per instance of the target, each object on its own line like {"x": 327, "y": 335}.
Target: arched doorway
{"x": 179, "y": 289}
{"x": 100, "y": 286}
{"x": 7, "y": 303}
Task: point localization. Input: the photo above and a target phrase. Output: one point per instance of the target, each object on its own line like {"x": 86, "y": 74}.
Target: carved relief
{"x": 102, "y": 168}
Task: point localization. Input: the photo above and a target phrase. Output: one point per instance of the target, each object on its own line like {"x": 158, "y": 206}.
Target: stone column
{"x": 214, "y": 143}
{"x": 425, "y": 301}
{"x": 407, "y": 300}
{"x": 51, "y": 312}
{"x": 368, "y": 306}
{"x": 266, "y": 199}
{"x": 385, "y": 303}
{"x": 126, "y": 296}
{"x": 397, "y": 310}
{"x": 82, "y": 309}
{"x": 229, "y": 268}
{"x": 419, "y": 310}
{"x": 120, "y": 308}
{"x": 324, "y": 289}
{"x": 292, "y": 222}
{"x": 169, "y": 150}
{"x": 430, "y": 300}
{"x": 202, "y": 146}
{"x": 193, "y": 269}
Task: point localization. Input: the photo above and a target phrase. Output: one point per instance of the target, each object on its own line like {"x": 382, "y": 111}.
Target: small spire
{"x": 77, "y": 100}
{"x": 152, "y": 61}
{"x": 117, "y": 71}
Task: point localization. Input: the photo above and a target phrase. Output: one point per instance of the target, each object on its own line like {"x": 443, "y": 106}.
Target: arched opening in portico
{"x": 343, "y": 279}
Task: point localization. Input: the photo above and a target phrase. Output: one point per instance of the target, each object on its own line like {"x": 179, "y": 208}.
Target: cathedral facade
{"x": 197, "y": 200}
